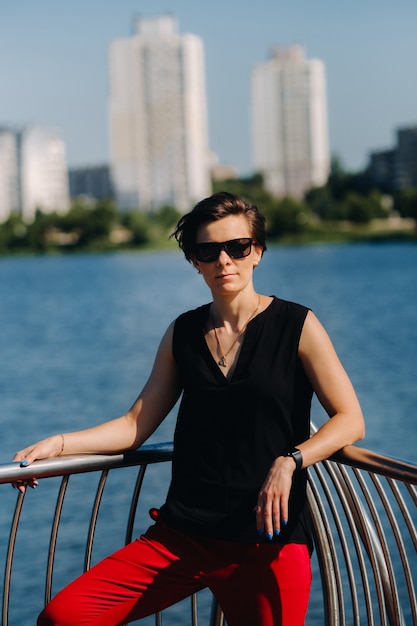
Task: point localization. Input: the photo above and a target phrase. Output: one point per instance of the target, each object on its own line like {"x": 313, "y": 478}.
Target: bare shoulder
{"x": 163, "y": 381}
{"x": 316, "y": 349}
{"x": 164, "y": 352}
{"x": 313, "y": 333}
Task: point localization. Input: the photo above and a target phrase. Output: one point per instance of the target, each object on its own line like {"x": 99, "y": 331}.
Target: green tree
{"x": 289, "y": 217}
{"x": 361, "y": 209}
{"x": 251, "y": 188}
{"x": 13, "y": 234}
{"x": 340, "y": 182}
{"x": 138, "y": 224}
{"x": 37, "y": 231}
{"x": 101, "y": 220}
{"x": 322, "y": 203}
{"x": 405, "y": 203}
{"x": 92, "y": 223}
{"x": 166, "y": 217}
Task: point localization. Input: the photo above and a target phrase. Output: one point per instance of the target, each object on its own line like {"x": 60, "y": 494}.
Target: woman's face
{"x": 226, "y": 275}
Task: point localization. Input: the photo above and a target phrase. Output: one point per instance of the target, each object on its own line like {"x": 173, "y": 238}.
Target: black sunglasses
{"x": 235, "y": 248}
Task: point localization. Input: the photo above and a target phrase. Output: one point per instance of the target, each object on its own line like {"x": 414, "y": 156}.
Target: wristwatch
{"x": 295, "y": 453}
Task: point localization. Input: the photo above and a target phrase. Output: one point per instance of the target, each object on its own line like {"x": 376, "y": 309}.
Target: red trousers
{"x": 261, "y": 584}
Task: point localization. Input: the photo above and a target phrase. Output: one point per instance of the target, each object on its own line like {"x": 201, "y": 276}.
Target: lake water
{"x": 79, "y": 333}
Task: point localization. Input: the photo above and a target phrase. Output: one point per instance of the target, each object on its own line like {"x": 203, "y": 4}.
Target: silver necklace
{"x": 223, "y": 360}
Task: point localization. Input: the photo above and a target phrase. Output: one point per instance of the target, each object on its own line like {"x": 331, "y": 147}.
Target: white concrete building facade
{"x": 33, "y": 172}
{"x": 9, "y": 173}
{"x": 44, "y": 176}
{"x": 289, "y": 122}
{"x": 158, "y": 117}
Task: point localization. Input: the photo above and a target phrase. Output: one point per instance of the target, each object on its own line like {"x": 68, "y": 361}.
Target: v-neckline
{"x": 242, "y": 349}
{"x": 227, "y": 378}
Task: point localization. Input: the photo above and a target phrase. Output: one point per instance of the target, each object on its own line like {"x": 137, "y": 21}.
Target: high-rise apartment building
{"x": 44, "y": 176}
{"x": 394, "y": 169}
{"x": 33, "y": 172}
{"x": 9, "y": 173}
{"x": 158, "y": 117}
{"x": 289, "y": 122}
{"x": 407, "y": 157}
{"x": 93, "y": 182}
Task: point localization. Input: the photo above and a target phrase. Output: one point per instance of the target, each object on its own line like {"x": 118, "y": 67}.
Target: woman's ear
{"x": 195, "y": 263}
{"x": 257, "y": 256}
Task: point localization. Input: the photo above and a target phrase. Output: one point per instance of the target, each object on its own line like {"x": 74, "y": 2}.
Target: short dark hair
{"x": 216, "y": 207}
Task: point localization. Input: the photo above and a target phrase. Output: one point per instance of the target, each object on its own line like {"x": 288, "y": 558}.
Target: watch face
{"x": 297, "y": 456}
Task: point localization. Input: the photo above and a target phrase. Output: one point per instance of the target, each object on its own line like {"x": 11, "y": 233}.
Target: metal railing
{"x": 363, "y": 507}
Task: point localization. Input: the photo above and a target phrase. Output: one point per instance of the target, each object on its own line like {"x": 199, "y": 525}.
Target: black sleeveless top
{"x": 229, "y": 431}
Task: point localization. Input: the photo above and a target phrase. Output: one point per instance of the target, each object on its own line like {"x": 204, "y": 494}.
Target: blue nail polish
{"x": 285, "y": 522}
{"x": 260, "y": 532}
{"x": 277, "y": 531}
{"x": 269, "y": 535}
{"x": 24, "y": 463}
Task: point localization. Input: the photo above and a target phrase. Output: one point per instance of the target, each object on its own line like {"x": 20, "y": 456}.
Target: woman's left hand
{"x": 272, "y": 506}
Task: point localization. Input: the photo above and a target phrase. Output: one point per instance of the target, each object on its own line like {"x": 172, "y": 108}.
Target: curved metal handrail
{"x": 362, "y": 504}
{"x": 81, "y": 463}
{"x": 361, "y": 458}
{"x": 354, "y": 456}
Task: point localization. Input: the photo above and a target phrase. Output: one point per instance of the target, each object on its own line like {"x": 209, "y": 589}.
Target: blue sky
{"x": 53, "y": 66}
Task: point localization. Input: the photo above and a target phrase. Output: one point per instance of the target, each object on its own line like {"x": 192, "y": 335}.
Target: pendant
{"x": 222, "y": 362}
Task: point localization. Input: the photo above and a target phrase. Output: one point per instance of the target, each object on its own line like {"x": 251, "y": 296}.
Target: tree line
{"x": 344, "y": 208}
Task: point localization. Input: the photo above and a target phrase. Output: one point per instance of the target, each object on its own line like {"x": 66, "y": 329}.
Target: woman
{"x": 235, "y": 518}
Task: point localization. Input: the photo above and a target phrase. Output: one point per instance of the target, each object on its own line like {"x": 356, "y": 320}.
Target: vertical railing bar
{"x": 412, "y": 491}
{"x": 93, "y": 519}
{"x": 404, "y": 510}
{"x": 194, "y": 611}
{"x": 216, "y": 614}
{"x": 347, "y": 493}
{"x": 353, "y": 511}
{"x": 397, "y": 536}
{"x": 350, "y": 506}
{"x": 131, "y": 519}
{"x": 340, "y": 531}
{"x": 401, "y": 547}
{"x": 54, "y": 535}
{"x": 388, "y": 581}
{"x": 389, "y": 587}
{"x": 328, "y": 564}
{"x": 342, "y": 537}
{"x": 134, "y": 503}
{"x": 343, "y": 485}
{"x": 334, "y": 599}
{"x": 9, "y": 558}
{"x": 372, "y": 547}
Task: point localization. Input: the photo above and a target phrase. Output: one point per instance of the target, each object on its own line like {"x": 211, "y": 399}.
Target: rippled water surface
{"x": 79, "y": 333}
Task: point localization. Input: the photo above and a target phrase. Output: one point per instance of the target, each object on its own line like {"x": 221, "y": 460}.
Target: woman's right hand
{"x": 44, "y": 449}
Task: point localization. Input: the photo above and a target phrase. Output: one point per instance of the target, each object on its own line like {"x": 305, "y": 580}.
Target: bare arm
{"x": 337, "y": 396}
{"x": 334, "y": 391}
{"x": 129, "y": 431}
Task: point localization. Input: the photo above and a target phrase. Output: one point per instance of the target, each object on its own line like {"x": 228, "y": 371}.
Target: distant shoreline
{"x": 395, "y": 230}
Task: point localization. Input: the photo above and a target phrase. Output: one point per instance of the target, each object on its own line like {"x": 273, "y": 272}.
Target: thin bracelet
{"x": 62, "y": 445}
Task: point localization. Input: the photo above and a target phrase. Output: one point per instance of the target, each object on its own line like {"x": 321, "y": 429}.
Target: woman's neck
{"x": 234, "y": 312}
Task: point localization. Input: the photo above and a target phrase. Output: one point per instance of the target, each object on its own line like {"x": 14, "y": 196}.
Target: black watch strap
{"x": 295, "y": 453}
